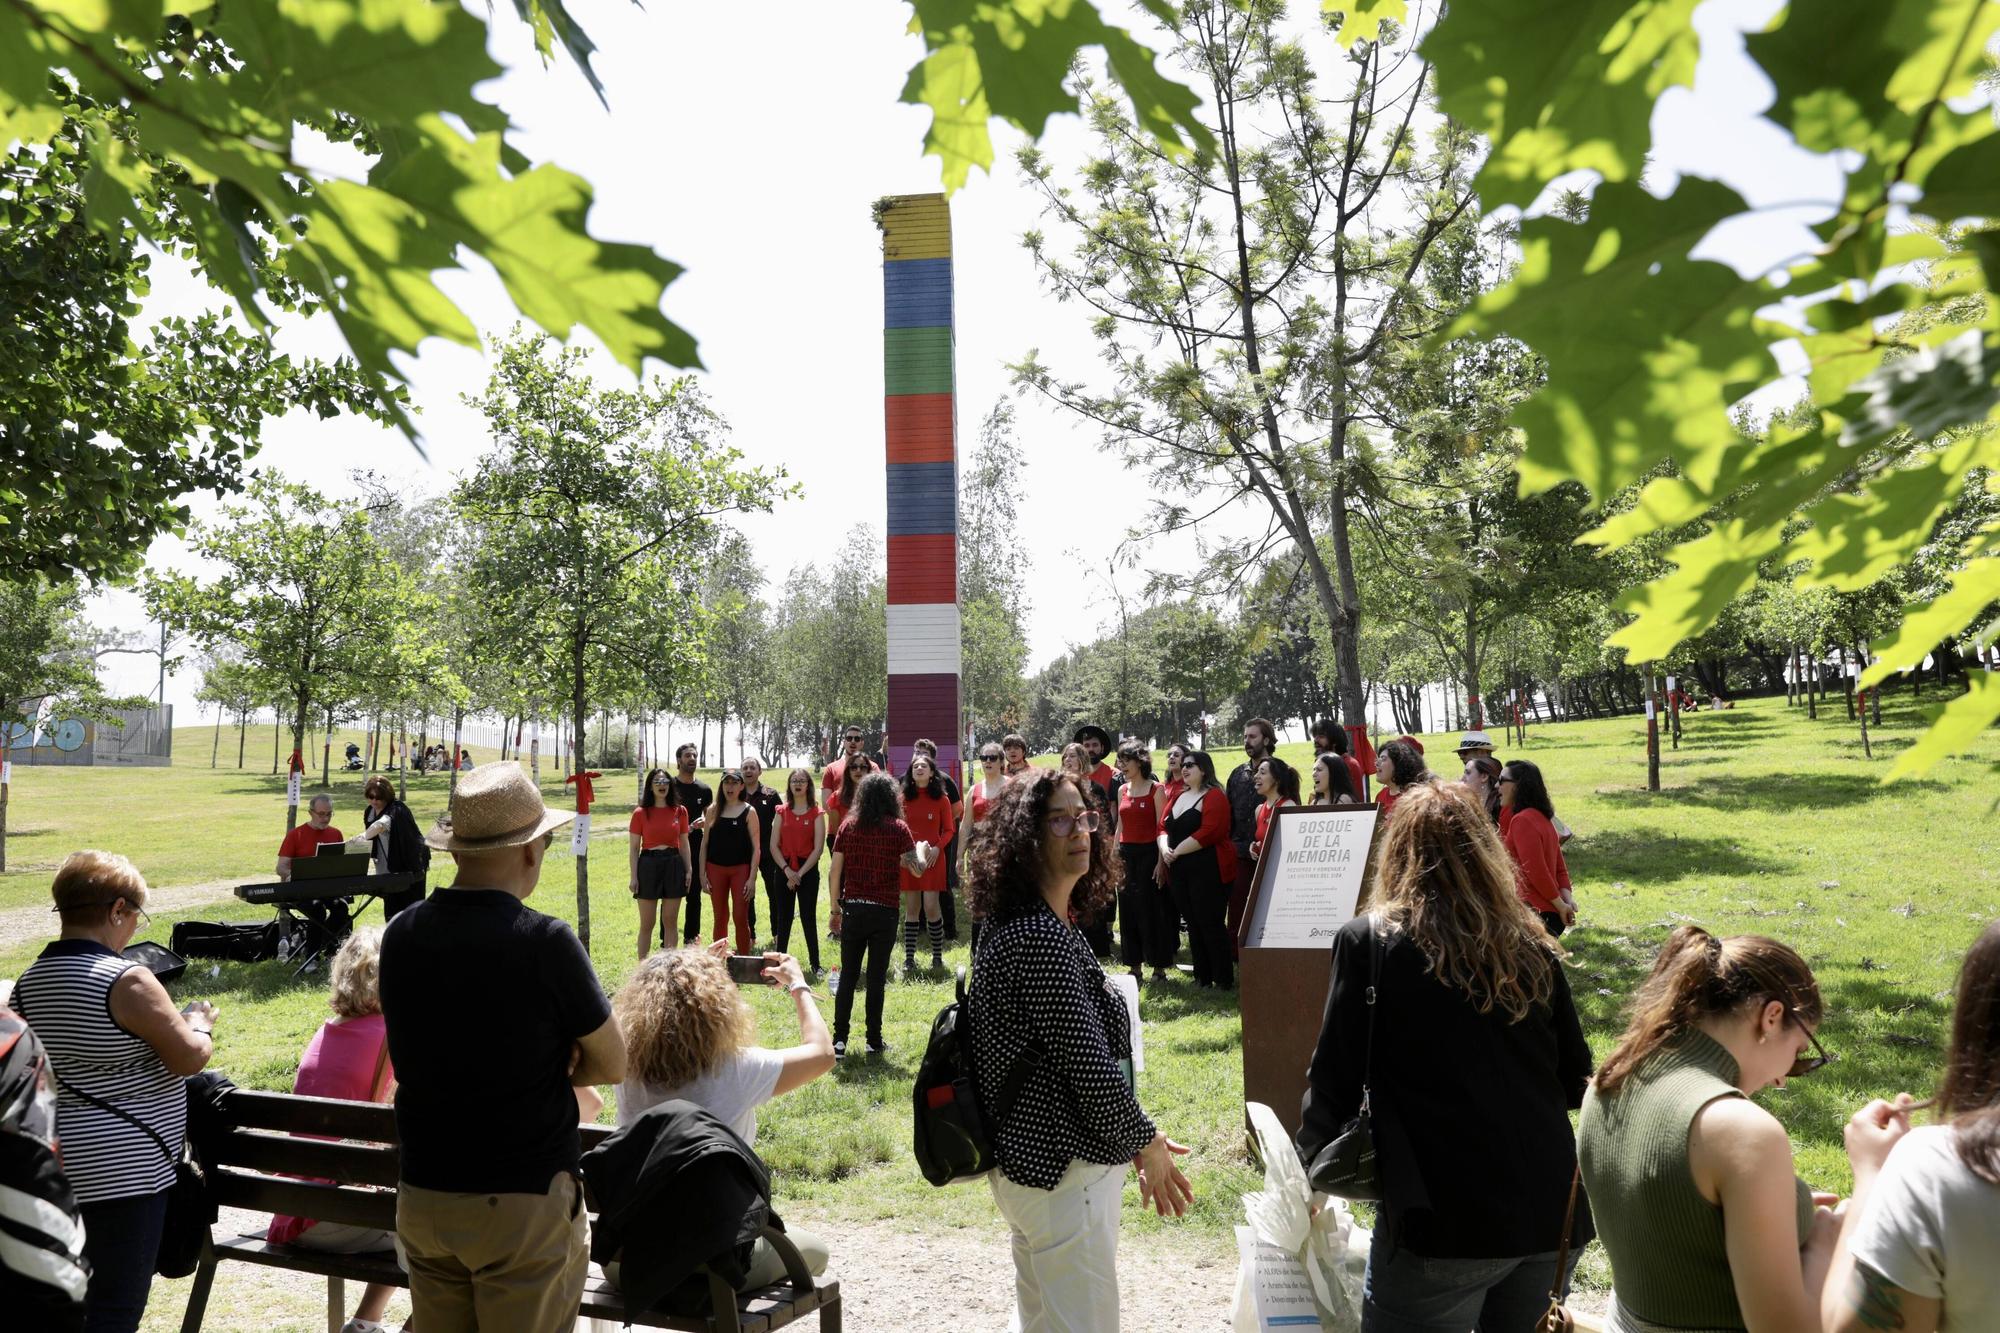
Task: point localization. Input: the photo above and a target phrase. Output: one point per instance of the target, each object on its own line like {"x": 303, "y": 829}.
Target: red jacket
{"x": 1214, "y": 831}
{"x": 1543, "y": 876}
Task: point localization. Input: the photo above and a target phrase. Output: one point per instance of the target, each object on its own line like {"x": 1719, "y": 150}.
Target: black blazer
{"x": 1471, "y": 1111}
{"x": 407, "y": 849}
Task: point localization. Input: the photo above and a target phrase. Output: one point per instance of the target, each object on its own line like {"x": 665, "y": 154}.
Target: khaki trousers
{"x": 504, "y": 1263}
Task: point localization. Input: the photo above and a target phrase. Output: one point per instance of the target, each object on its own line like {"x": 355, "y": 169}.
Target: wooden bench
{"x": 250, "y": 1166}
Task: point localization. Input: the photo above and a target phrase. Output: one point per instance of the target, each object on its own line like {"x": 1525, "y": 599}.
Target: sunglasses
{"x": 1063, "y": 825}
{"x": 1806, "y": 1064}
{"x": 989, "y": 758}
{"x": 1190, "y": 765}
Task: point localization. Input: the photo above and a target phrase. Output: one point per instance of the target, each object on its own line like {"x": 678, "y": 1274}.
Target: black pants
{"x": 1096, "y": 932}
{"x": 947, "y": 901}
{"x": 393, "y": 903}
{"x": 121, "y": 1238}
{"x": 1203, "y": 900}
{"x": 691, "y": 931}
{"x": 1553, "y": 920}
{"x": 806, "y": 896}
{"x": 1147, "y": 930}
{"x": 867, "y": 934}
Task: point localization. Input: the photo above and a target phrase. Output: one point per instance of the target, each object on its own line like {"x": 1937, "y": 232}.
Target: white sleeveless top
{"x": 66, "y": 997}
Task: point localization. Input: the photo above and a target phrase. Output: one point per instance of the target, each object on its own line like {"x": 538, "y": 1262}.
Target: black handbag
{"x": 190, "y": 1210}
{"x": 1346, "y": 1166}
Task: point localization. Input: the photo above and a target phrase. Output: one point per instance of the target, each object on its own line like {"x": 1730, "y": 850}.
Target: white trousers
{"x": 1065, "y": 1249}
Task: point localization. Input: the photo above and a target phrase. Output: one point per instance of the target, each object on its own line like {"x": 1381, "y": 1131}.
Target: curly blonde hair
{"x": 681, "y": 1015}
{"x": 357, "y": 975}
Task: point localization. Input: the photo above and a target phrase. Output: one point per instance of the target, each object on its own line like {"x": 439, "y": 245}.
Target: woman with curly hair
{"x": 1448, "y": 994}
{"x": 1052, "y": 1056}
{"x": 1399, "y": 766}
{"x": 688, "y": 1037}
{"x": 870, "y": 852}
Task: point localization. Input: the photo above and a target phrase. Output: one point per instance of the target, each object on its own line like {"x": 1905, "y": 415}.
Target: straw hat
{"x": 1475, "y": 740}
{"x": 497, "y": 806}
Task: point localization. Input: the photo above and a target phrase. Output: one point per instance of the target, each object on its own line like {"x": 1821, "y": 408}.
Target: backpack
{"x": 43, "y": 1274}
{"x": 951, "y": 1138}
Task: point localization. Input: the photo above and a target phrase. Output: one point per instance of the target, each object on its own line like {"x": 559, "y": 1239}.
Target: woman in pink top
{"x": 348, "y": 1058}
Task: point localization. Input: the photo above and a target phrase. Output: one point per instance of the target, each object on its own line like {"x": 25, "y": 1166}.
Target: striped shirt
{"x": 66, "y": 997}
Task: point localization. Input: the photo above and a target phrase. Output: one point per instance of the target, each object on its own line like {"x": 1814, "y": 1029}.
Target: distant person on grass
{"x": 696, "y": 796}
{"x": 1527, "y": 822}
{"x": 1920, "y": 1241}
{"x": 120, "y": 1052}
{"x": 348, "y": 1059}
{"x": 870, "y": 851}
{"x": 1448, "y": 1000}
{"x": 658, "y": 854}
{"x": 1064, "y": 1141}
{"x": 399, "y": 843}
{"x": 494, "y": 1018}
{"x": 1691, "y": 1183}
{"x": 690, "y": 1037}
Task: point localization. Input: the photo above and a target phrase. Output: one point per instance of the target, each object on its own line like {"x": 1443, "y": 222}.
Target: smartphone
{"x": 747, "y": 969}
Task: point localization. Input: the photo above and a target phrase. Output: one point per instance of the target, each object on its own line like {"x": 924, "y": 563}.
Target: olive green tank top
{"x": 1668, "y": 1262}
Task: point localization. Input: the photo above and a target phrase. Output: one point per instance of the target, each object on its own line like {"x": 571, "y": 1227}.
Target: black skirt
{"x": 662, "y": 873}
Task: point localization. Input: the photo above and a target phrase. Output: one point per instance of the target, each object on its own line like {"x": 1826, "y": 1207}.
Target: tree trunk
{"x": 326, "y": 753}
{"x": 457, "y": 732}
{"x": 1846, "y": 685}
{"x": 215, "y": 746}
{"x": 242, "y": 734}
{"x": 277, "y": 730}
{"x": 298, "y": 748}
{"x": 579, "y": 707}
{"x": 403, "y": 769}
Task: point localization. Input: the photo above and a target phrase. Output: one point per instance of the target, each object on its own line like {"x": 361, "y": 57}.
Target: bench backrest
{"x": 250, "y": 1165}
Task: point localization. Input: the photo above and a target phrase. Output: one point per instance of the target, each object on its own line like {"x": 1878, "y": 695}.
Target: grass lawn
{"x": 1767, "y": 823}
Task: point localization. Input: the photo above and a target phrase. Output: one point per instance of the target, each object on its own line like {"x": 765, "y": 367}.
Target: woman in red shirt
{"x": 979, "y": 797}
{"x": 797, "y": 836}
{"x": 1527, "y": 827}
{"x": 1399, "y": 765}
{"x": 1148, "y": 930}
{"x": 840, "y": 799}
{"x": 927, "y": 809}
{"x": 871, "y": 849}
{"x": 658, "y": 852}
{"x": 1194, "y": 842}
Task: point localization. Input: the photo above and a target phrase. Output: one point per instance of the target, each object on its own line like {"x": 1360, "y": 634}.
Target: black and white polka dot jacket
{"x": 1035, "y": 979}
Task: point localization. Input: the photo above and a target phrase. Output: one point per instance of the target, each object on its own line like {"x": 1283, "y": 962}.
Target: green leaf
{"x": 1711, "y": 571}
{"x": 1973, "y": 589}
{"x": 1956, "y": 728}
{"x": 1362, "y": 20}
{"x": 1646, "y": 348}
{"x": 1012, "y": 58}
{"x": 1930, "y": 391}
{"x": 1965, "y": 182}
{"x": 1857, "y": 537}
{"x": 1560, "y": 87}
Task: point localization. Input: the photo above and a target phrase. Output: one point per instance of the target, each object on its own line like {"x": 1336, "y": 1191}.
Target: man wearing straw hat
{"x": 493, "y": 1014}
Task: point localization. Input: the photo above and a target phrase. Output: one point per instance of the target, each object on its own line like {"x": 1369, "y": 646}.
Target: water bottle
{"x": 833, "y": 981}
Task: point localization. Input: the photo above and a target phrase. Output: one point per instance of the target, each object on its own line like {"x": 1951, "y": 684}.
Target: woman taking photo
{"x": 1527, "y": 822}
{"x": 1470, "y": 1000}
{"x": 1399, "y": 766}
{"x": 871, "y": 849}
{"x": 1922, "y": 1227}
{"x": 1039, "y": 1001}
{"x": 1690, "y": 1181}
{"x": 798, "y": 835}
{"x": 399, "y": 843}
{"x": 689, "y": 1036}
{"x": 1146, "y": 924}
{"x": 927, "y": 810}
{"x": 1194, "y": 844}
{"x": 657, "y": 851}
{"x": 121, "y": 1052}
{"x": 730, "y": 839}
{"x": 1332, "y": 783}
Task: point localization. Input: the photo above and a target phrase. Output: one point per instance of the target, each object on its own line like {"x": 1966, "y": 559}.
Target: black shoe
{"x": 878, "y": 1047}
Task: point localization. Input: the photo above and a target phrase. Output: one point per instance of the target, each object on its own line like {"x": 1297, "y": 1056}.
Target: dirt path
{"x": 29, "y": 925}
{"x": 889, "y": 1280}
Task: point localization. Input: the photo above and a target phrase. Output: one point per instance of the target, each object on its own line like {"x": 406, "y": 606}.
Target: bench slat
{"x": 311, "y": 1115}
{"x": 346, "y": 1163}
{"x": 303, "y": 1198}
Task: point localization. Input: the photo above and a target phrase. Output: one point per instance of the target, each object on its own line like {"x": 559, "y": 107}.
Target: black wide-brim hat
{"x": 1091, "y": 731}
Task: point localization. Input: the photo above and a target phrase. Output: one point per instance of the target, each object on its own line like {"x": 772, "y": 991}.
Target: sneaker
{"x": 363, "y": 1326}
{"x": 877, "y": 1047}
{"x": 840, "y": 1050}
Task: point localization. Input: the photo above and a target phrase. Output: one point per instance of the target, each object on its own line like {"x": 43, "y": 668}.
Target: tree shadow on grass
{"x": 1783, "y": 792}
{"x": 1165, "y": 1003}
{"x": 1656, "y": 854}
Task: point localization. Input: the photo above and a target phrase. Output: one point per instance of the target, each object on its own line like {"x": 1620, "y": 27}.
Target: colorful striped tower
{"x": 922, "y": 437}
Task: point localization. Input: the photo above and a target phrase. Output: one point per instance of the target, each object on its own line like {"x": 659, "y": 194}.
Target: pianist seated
{"x": 307, "y": 837}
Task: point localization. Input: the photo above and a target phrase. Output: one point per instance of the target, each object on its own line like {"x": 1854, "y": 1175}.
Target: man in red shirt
{"x": 306, "y": 838}
{"x": 837, "y": 770}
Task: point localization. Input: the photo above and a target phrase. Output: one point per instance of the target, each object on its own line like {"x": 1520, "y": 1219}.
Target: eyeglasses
{"x": 1063, "y": 825}
{"x": 1806, "y": 1064}
{"x": 144, "y": 918}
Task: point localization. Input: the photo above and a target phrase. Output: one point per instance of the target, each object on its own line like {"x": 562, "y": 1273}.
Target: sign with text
{"x": 1309, "y": 876}
{"x": 292, "y": 788}
{"x": 579, "y": 838}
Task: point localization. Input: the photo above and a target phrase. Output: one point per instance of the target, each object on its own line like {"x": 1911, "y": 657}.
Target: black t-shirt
{"x": 695, "y": 799}
{"x": 484, "y": 999}
{"x": 765, "y": 801}
{"x": 1243, "y": 802}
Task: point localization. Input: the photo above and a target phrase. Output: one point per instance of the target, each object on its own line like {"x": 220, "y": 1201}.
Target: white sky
{"x": 760, "y": 185}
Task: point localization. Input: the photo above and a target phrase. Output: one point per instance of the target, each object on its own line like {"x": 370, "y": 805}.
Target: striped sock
{"x": 937, "y": 941}
{"x": 909, "y": 939}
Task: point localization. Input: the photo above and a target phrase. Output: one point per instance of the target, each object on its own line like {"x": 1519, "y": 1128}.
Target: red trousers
{"x": 731, "y": 885}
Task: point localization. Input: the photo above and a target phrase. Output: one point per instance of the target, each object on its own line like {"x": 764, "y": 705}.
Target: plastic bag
{"x": 1294, "y": 1265}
